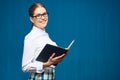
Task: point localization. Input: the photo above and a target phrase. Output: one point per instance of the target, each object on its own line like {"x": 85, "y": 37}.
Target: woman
{"x": 34, "y": 42}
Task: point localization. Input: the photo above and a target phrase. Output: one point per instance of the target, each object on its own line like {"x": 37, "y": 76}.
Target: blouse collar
{"x": 36, "y": 29}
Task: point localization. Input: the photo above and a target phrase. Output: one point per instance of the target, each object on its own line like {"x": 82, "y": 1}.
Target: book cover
{"x": 49, "y": 49}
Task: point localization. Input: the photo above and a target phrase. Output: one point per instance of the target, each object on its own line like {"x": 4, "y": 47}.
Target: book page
{"x": 70, "y": 45}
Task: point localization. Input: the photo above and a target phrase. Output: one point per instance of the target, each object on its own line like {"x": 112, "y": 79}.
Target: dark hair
{"x": 33, "y": 7}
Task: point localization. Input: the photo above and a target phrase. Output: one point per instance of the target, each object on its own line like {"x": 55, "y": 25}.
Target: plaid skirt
{"x": 48, "y": 74}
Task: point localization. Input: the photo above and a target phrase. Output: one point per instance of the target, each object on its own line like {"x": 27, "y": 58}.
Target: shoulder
{"x": 33, "y": 35}
{"x": 30, "y": 36}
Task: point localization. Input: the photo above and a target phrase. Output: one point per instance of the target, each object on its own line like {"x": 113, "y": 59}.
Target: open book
{"x": 49, "y": 49}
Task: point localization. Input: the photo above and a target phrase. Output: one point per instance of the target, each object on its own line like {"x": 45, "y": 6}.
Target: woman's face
{"x": 40, "y": 17}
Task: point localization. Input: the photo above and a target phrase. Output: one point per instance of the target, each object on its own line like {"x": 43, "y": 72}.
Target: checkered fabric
{"x": 48, "y": 74}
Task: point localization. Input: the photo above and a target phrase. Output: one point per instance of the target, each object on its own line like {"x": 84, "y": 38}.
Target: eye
{"x": 41, "y": 15}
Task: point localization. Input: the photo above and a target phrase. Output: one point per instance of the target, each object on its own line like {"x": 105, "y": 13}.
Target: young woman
{"x": 34, "y": 42}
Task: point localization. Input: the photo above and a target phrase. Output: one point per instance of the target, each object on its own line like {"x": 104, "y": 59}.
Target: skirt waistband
{"x": 48, "y": 74}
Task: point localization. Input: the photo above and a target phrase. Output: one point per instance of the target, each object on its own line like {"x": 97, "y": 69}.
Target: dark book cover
{"x": 49, "y": 49}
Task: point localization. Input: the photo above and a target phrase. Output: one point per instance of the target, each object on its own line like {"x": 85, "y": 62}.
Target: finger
{"x": 58, "y": 61}
{"x": 60, "y": 57}
{"x": 52, "y": 55}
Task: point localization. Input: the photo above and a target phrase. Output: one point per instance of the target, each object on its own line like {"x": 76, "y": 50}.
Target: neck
{"x": 40, "y": 28}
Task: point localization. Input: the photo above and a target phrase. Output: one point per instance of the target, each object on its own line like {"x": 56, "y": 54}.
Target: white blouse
{"x": 34, "y": 42}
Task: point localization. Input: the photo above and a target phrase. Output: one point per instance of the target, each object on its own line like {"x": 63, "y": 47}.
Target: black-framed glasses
{"x": 39, "y": 16}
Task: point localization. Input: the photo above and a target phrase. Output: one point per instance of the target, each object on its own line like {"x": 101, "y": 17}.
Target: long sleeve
{"x": 34, "y": 42}
{"x": 29, "y": 64}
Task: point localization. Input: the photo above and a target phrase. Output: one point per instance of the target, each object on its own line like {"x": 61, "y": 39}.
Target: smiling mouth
{"x": 43, "y": 21}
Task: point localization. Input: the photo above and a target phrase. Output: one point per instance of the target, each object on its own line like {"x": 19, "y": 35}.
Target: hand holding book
{"x": 48, "y": 50}
{"x": 54, "y": 60}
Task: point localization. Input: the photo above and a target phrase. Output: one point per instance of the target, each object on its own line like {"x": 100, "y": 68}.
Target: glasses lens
{"x": 41, "y": 15}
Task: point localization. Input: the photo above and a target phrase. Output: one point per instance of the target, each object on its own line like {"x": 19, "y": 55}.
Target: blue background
{"x": 94, "y": 24}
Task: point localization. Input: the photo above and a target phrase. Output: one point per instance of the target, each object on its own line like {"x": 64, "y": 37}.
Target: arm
{"x": 28, "y": 62}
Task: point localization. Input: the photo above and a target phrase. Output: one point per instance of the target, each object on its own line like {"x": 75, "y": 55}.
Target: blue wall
{"x": 95, "y": 24}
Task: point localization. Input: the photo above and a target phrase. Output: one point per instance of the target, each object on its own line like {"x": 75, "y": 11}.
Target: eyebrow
{"x": 40, "y": 13}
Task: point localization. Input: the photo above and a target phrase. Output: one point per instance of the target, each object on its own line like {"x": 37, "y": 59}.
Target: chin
{"x": 43, "y": 26}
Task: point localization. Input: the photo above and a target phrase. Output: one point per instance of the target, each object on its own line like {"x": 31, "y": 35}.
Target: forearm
{"x": 36, "y": 67}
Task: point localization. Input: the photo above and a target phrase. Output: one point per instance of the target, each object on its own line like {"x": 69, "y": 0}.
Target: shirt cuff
{"x": 39, "y": 66}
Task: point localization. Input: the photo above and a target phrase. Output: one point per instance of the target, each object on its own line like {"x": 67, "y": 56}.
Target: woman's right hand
{"x": 54, "y": 60}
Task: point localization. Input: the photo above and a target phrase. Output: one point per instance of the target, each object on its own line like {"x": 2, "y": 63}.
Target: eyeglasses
{"x": 39, "y": 16}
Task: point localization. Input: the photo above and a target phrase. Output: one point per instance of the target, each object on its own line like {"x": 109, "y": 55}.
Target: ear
{"x": 31, "y": 19}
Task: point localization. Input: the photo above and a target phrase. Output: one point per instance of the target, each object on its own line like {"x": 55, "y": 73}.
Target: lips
{"x": 42, "y": 21}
